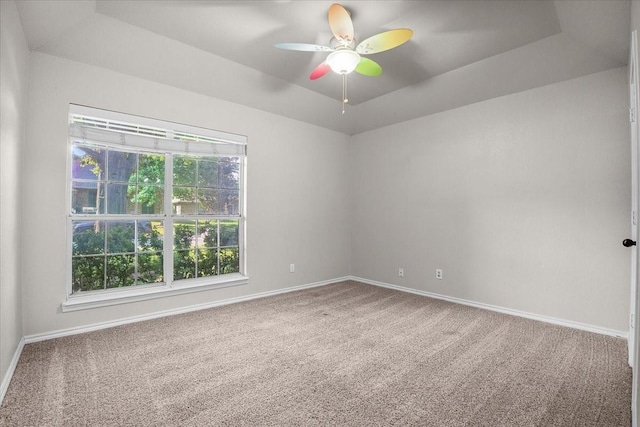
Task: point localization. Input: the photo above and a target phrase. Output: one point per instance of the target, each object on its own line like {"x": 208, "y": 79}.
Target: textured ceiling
{"x": 461, "y": 51}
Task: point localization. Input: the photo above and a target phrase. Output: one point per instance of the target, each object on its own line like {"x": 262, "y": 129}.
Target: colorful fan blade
{"x": 320, "y": 71}
{"x": 368, "y": 67}
{"x": 384, "y": 41}
{"x": 305, "y": 47}
{"x": 341, "y": 25}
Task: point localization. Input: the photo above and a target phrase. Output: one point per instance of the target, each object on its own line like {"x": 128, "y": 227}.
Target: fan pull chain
{"x": 344, "y": 92}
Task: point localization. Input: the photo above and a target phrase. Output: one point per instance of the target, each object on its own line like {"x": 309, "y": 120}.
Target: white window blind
{"x": 94, "y": 126}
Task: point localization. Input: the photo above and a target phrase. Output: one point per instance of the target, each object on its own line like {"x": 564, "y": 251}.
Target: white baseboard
{"x": 12, "y": 367}
{"x": 109, "y": 324}
{"x": 541, "y": 318}
{"x": 103, "y": 325}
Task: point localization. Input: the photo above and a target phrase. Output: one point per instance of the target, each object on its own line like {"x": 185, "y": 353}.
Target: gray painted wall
{"x": 14, "y": 59}
{"x": 522, "y": 200}
{"x": 297, "y": 191}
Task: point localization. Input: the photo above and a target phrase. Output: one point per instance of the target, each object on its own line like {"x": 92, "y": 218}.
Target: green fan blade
{"x": 368, "y": 67}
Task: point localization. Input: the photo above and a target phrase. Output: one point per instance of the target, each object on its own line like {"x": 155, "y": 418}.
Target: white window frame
{"x": 202, "y": 141}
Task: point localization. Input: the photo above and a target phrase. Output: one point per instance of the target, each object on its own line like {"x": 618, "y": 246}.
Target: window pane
{"x": 183, "y": 200}
{"x": 118, "y": 199}
{"x": 88, "y": 237}
{"x": 121, "y": 169}
{"x": 228, "y": 202}
{"x": 87, "y": 273}
{"x": 120, "y": 271}
{"x": 150, "y": 268}
{"x": 84, "y": 197}
{"x": 85, "y": 172}
{"x": 207, "y": 234}
{"x": 208, "y": 173}
{"x": 150, "y": 169}
{"x": 150, "y": 236}
{"x": 184, "y": 171}
{"x": 84, "y": 165}
{"x": 149, "y": 191}
{"x": 149, "y": 198}
{"x": 207, "y": 262}
{"x": 229, "y": 233}
{"x": 229, "y": 172}
{"x": 121, "y": 165}
{"x": 184, "y": 234}
{"x": 120, "y": 236}
{"x": 229, "y": 260}
{"x": 207, "y": 201}
{"x": 184, "y": 265}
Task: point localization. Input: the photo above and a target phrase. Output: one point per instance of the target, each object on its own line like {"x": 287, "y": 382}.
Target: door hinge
{"x": 634, "y": 218}
{"x": 632, "y": 115}
{"x": 633, "y": 324}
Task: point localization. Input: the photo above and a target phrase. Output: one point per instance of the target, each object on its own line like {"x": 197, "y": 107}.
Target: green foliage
{"x": 229, "y": 233}
{"x": 229, "y": 260}
{"x": 127, "y": 263}
{"x": 184, "y": 265}
{"x": 145, "y": 184}
{"x": 196, "y": 250}
{"x": 120, "y": 237}
{"x": 88, "y": 273}
{"x": 120, "y": 271}
{"x": 150, "y": 267}
{"x": 184, "y": 171}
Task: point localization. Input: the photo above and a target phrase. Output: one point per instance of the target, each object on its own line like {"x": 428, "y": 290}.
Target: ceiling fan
{"x": 344, "y": 57}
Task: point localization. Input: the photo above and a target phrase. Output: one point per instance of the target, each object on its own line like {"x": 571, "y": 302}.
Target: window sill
{"x": 119, "y": 296}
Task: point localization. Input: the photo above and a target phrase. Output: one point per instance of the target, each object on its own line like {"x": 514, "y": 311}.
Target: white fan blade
{"x": 304, "y": 47}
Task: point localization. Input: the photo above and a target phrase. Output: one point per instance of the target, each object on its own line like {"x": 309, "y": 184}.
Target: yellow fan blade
{"x": 384, "y": 41}
{"x": 341, "y": 25}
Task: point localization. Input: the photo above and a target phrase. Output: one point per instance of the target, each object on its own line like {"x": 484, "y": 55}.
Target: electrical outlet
{"x": 401, "y": 272}
{"x": 439, "y": 273}
{"x": 292, "y": 268}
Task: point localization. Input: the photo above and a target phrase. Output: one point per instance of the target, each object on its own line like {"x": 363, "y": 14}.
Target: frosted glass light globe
{"x": 343, "y": 61}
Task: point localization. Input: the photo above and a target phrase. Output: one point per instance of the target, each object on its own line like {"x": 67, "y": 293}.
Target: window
{"x": 155, "y": 207}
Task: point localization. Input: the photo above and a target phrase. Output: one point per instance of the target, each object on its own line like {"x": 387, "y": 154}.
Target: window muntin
{"x": 152, "y": 214}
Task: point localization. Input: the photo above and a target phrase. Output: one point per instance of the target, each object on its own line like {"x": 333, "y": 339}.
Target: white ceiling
{"x": 461, "y": 52}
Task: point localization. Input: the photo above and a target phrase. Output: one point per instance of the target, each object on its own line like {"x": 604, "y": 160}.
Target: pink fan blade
{"x": 368, "y": 67}
{"x": 320, "y": 71}
{"x": 304, "y": 47}
{"x": 384, "y": 41}
{"x": 341, "y": 25}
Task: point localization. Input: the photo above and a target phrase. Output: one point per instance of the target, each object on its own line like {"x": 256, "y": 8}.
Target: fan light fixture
{"x": 343, "y": 59}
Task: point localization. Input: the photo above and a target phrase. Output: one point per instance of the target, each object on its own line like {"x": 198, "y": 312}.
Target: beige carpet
{"x": 343, "y": 354}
